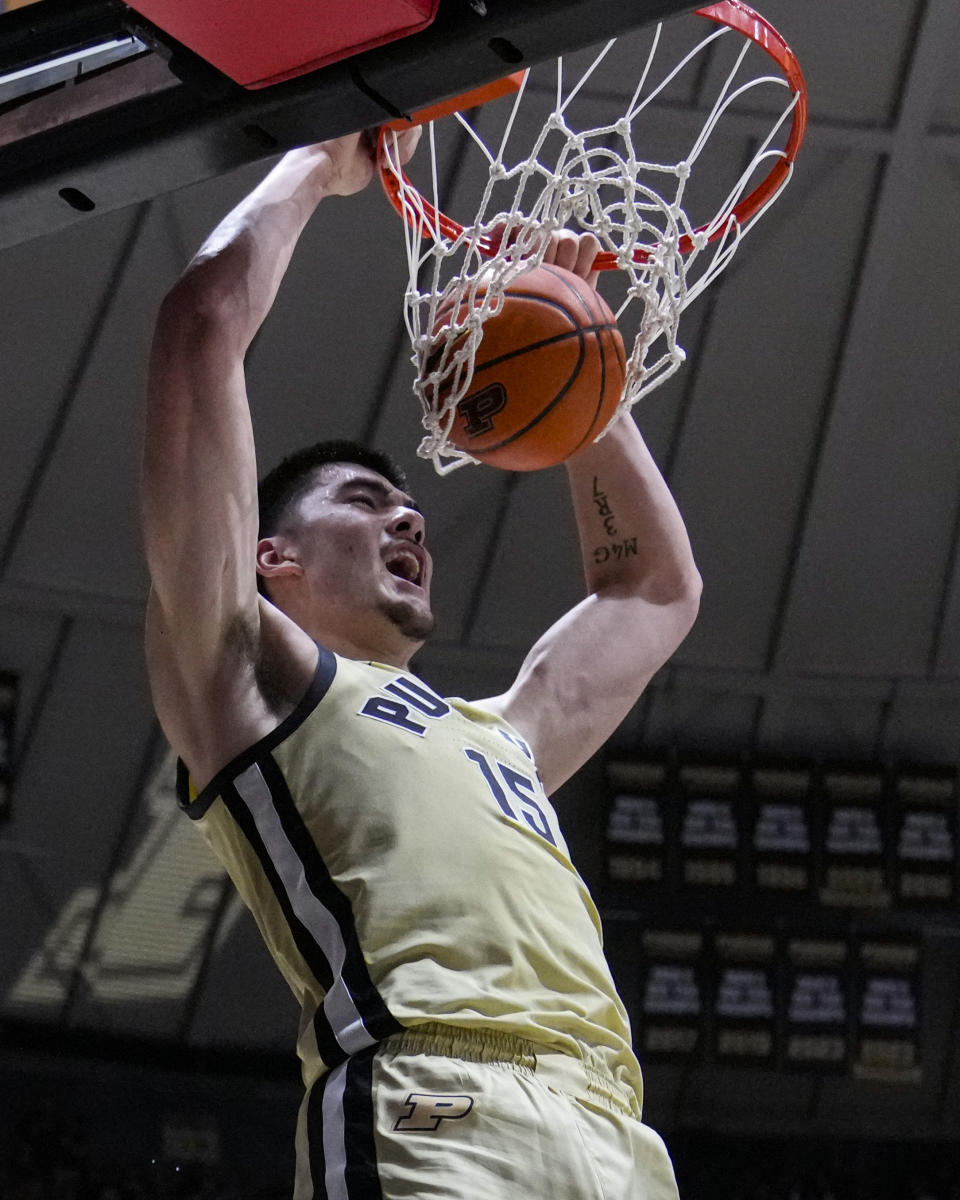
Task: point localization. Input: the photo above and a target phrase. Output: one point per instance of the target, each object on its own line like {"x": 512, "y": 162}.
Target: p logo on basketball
{"x": 479, "y": 409}
{"x": 427, "y": 1110}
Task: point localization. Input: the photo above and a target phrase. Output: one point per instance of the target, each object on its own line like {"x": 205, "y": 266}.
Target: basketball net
{"x": 592, "y": 180}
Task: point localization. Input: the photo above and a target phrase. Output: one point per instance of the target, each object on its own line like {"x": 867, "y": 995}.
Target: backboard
{"x": 100, "y": 108}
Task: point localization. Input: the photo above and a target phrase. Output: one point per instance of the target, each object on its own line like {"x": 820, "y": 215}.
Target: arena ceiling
{"x": 812, "y": 440}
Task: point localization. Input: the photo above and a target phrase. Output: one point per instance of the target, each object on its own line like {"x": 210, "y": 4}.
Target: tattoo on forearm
{"x": 615, "y": 550}
{"x": 604, "y": 511}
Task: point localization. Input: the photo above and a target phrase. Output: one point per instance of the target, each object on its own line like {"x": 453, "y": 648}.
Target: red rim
{"x": 732, "y": 13}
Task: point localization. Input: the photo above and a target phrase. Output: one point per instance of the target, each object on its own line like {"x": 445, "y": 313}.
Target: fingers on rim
{"x": 572, "y": 251}
{"x": 564, "y": 249}
{"x": 587, "y": 249}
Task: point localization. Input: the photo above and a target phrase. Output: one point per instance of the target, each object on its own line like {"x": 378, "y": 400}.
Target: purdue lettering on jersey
{"x": 407, "y": 696}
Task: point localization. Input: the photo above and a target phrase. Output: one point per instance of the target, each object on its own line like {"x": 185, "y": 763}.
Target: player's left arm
{"x": 643, "y": 591}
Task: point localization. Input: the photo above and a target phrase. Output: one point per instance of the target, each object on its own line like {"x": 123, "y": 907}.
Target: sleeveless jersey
{"x": 404, "y": 866}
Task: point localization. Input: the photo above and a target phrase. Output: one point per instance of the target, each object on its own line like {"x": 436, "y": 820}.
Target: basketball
{"x": 548, "y": 375}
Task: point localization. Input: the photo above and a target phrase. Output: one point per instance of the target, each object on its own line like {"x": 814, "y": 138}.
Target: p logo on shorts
{"x": 426, "y": 1110}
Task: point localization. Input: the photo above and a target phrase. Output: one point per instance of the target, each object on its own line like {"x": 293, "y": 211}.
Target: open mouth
{"x": 404, "y": 564}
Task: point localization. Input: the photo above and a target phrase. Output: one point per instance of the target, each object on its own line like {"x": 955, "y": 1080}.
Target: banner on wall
{"x": 671, "y": 1007}
{"x": 709, "y": 835}
{"x": 745, "y": 999}
{"x": 636, "y": 843}
{"x": 925, "y": 837}
{"x": 887, "y": 990}
{"x": 781, "y": 835}
{"x": 817, "y": 1009}
{"x": 854, "y": 850}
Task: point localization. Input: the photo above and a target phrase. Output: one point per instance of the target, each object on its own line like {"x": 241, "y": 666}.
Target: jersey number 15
{"x": 507, "y": 785}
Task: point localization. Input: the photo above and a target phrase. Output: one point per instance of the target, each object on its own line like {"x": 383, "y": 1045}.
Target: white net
{"x": 592, "y": 180}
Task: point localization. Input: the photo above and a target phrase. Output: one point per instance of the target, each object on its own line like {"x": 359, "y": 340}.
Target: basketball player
{"x": 460, "y": 1035}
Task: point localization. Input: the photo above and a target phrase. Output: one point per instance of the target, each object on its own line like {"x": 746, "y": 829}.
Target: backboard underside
{"x": 100, "y": 110}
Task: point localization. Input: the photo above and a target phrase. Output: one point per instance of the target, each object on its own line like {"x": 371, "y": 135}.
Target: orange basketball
{"x": 548, "y": 375}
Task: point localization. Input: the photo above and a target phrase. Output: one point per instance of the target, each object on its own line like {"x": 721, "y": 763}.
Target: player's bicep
{"x": 583, "y": 676}
{"x": 212, "y": 706}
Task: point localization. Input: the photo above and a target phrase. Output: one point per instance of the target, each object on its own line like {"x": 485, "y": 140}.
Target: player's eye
{"x": 362, "y": 498}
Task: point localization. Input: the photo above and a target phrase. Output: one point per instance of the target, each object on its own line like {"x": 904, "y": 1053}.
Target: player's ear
{"x": 276, "y": 557}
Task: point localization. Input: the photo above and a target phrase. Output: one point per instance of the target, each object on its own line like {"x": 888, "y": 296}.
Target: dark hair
{"x": 291, "y": 477}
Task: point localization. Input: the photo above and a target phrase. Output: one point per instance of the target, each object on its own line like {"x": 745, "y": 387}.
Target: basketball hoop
{"x": 591, "y": 179}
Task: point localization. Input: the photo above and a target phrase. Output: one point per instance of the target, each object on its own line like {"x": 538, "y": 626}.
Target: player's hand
{"x": 574, "y": 252}
{"x": 352, "y": 159}
{"x": 407, "y": 141}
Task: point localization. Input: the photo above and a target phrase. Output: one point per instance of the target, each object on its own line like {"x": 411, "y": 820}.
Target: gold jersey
{"x": 405, "y": 867}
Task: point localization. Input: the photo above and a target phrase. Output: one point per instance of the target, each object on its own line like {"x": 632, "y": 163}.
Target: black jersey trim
{"x": 315, "y": 1154}
{"x": 330, "y": 1051}
{"x": 319, "y": 686}
{"x": 312, "y": 955}
{"x": 353, "y": 1120}
{"x": 376, "y": 1017}
{"x": 302, "y": 857}
{"x": 360, "y": 1175}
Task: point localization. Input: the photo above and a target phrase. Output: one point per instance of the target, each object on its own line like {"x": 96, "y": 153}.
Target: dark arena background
{"x": 771, "y": 837}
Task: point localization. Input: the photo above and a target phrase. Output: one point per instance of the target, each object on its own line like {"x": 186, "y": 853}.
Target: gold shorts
{"x": 448, "y": 1114}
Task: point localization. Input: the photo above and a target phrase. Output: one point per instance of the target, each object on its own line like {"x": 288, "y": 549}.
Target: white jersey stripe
{"x": 338, "y": 1005}
{"x": 334, "y": 1139}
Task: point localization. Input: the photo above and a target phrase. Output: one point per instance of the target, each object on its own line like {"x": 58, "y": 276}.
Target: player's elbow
{"x": 678, "y": 588}
{"x": 677, "y": 597}
{"x": 204, "y": 307}
{"x": 689, "y": 591}
{"x": 687, "y": 599}
{"x": 673, "y": 593}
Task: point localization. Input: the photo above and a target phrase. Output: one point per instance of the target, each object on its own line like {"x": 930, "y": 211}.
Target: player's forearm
{"x": 632, "y": 537}
{"x": 233, "y": 279}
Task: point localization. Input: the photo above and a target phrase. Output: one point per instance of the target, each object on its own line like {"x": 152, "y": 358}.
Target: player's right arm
{"x": 211, "y": 640}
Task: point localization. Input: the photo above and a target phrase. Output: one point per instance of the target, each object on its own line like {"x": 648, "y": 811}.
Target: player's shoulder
{"x": 213, "y": 711}
{"x": 490, "y": 708}
{"x": 494, "y": 712}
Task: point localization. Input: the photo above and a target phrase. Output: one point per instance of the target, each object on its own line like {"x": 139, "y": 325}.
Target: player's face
{"x": 362, "y": 545}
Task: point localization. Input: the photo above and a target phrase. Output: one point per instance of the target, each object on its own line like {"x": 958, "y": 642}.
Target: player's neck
{"x": 393, "y": 652}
